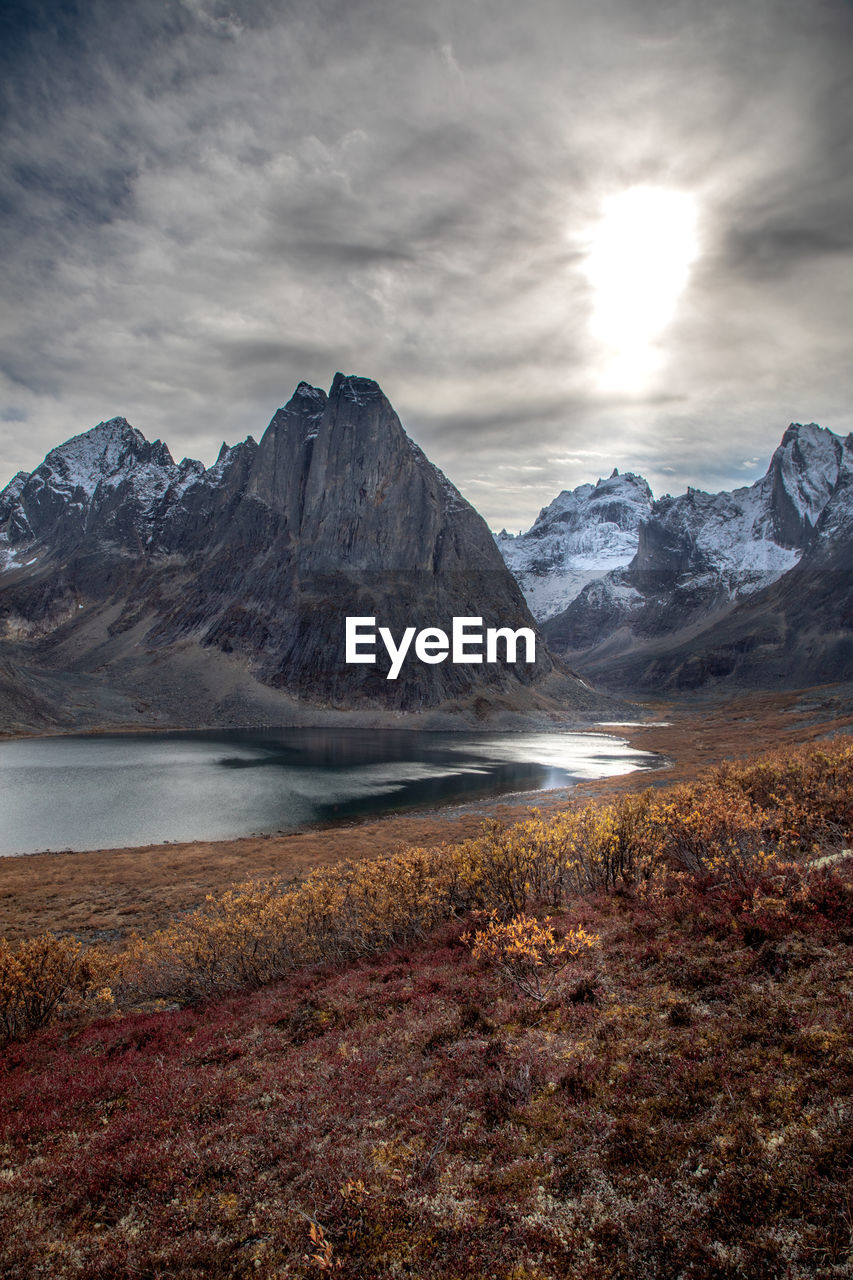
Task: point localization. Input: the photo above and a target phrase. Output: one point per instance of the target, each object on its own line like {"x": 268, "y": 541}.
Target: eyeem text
{"x": 464, "y": 644}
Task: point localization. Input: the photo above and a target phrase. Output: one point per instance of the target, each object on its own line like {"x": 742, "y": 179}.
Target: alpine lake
{"x": 111, "y": 791}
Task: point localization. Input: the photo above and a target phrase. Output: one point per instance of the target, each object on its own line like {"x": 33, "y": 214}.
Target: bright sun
{"x": 638, "y": 264}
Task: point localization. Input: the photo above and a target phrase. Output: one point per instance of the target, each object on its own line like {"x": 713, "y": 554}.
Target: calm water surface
{"x": 116, "y": 790}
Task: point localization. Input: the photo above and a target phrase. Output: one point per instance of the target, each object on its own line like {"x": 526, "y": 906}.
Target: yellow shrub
{"x": 729, "y": 831}
{"x": 529, "y": 952}
{"x": 38, "y": 977}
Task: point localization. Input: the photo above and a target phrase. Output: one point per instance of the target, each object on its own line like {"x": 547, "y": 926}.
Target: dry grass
{"x": 681, "y": 1106}
{"x": 677, "y": 1103}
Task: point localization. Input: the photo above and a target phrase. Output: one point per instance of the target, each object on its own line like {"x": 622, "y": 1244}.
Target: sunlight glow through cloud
{"x": 638, "y": 264}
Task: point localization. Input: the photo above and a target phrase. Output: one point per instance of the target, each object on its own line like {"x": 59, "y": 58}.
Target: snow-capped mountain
{"x": 729, "y": 543}
{"x": 109, "y": 478}
{"x": 581, "y": 535}
{"x": 749, "y": 535}
{"x": 702, "y": 556}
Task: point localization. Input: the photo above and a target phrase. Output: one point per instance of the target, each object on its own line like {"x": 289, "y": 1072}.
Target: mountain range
{"x": 753, "y": 586}
{"x": 137, "y": 590}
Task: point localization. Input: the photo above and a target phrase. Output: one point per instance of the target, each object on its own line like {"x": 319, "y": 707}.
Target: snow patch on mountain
{"x": 728, "y": 534}
{"x": 12, "y": 492}
{"x": 583, "y": 534}
{"x": 110, "y": 476}
{"x": 750, "y": 536}
{"x": 108, "y": 453}
{"x": 90, "y": 468}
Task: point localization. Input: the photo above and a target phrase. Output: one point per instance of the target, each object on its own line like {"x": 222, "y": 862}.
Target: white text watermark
{"x": 465, "y": 643}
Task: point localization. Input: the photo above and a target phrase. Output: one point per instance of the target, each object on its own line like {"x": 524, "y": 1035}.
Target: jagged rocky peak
{"x": 372, "y": 498}
{"x": 335, "y": 512}
{"x": 112, "y": 484}
{"x": 227, "y": 456}
{"x": 280, "y": 467}
{"x": 358, "y": 390}
{"x": 12, "y": 492}
{"x": 747, "y": 533}
{"x": 702, "y": 555}
{"x": 583, "y": 533}
{"x": 306, "y": 405}
{"x": 328, "y": 468}
{"x": 729, "y": 543}
{"x": 621, "y": 500}
{"x": 110, "y": 466}
{"x": 335, "y": 466}
{"x": 305, "y": 391}
{"x": 109, "y": 449}
{"x": 803, "y": 473}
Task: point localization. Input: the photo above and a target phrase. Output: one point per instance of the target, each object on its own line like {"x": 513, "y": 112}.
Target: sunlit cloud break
{"x": 638, "y": 263}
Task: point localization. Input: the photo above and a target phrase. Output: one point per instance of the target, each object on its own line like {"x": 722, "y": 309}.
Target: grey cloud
{"x": 27, "y": 373}
{"x": 249, "y": 353}
{"x": 770, "y": 250}
{"x": 500, "y": 423}
{"x": 206, "y": 201}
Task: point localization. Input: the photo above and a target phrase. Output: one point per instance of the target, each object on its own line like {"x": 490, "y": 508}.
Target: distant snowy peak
{"x": 111, "y": 467}
{"x": 834, "y": 529}
{"x": 109, "y": 480}
{"x": 620, "y": 500}
{"x": 108, "y": 450}
{"x": 727, "y": 534}
{"x": 751, "y": 534}
{"x": 732, "y": 543}
{"x": 702, "y": 555}
{"x": 584, "y": 533}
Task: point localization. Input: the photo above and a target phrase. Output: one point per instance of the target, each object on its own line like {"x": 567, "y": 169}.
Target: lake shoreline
{"x": 408, "y": 726}
{"x": 112, "y": 792}
{"x": 104, "y": 895}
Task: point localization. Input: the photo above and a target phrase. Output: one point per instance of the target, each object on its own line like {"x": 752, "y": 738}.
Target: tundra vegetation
{"x": 610, "y": 1043}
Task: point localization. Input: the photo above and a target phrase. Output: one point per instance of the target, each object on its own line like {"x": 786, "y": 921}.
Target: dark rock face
{"x": 336, "y": 512}
{"x": 755, "y": 586}
{"x": 803, "y": 475}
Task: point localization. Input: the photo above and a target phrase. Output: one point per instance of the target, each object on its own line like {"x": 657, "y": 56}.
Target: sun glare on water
{"x": 638, "y": 264}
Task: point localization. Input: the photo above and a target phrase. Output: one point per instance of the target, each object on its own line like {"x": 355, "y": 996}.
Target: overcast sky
{"x": 204, "y": 203}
